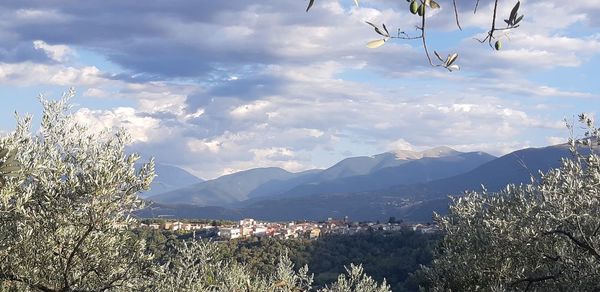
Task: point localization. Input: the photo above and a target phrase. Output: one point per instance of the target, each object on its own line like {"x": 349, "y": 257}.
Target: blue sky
{"x": 221, "y": 86}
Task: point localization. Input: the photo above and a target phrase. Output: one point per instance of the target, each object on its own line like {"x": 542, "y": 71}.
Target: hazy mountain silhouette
{"x": 409, "y": 202}
{"x": 413, "y": 202}
{"x": 169, "y": 178}
{"x": 376, "y": 172}
{"x": 225, "y": 189}
{"x": 409, "y": 172}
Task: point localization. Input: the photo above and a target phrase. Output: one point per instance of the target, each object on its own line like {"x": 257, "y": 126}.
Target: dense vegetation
{"x": 393, "y": 256}
{"x": 542, "y": 236}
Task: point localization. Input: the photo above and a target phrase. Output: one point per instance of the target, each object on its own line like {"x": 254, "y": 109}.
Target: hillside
{"x": 223, "y": 190}
{"x": 169, "y": 178}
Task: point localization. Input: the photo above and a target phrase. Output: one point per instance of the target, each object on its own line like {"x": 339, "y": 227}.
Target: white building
{"x": 176, "y": 226}
{"x": 230, "y": 233}
{"x": 247, "y": 222}
{"x": 260, "y": 231}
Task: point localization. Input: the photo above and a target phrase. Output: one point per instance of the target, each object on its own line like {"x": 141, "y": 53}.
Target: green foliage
{"x": 200, "y": 266}
{"x": 356, "y": 280}
{"x": 9, "y": 166}
{"x": 542, "y": 236}
{"x": 62, "y": 216}
{"x": 392, "y": 256}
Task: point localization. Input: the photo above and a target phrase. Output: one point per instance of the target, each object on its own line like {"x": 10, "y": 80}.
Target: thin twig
{"x": 491, "y": 33}
{"x": 456, "y": 14}
{"x": 404, "y": 36}
{"x": 423, "y": 35}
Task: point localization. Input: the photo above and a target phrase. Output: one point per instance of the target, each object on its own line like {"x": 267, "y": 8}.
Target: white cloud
{"x": 273, "y": 153}
{"x": 400, "y": 144}
{"x": 141, "y": 129}
{"x": 554, "y": 140}
{"x": 246, "y": 110}
{"x": 59, "y": 53}
{"x": 32, "y": 74}
{"x": 95, "y": 92}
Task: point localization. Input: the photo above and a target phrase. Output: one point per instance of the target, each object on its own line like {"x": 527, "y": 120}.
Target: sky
{"x": 216, "y": 87}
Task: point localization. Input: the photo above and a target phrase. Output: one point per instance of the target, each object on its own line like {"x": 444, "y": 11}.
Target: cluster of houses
{"x": 251, "y": 228}
{"x": 248, "y": 228}
{"x": 175, "y": 226}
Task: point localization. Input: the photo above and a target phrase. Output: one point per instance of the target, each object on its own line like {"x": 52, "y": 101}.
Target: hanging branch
{"x": 423, "y": 38}
{"x": 511, "y": 23}
{"x": 419, "y": 7}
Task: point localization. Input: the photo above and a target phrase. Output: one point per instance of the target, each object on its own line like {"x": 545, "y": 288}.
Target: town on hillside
{"x": 249, "y": 228}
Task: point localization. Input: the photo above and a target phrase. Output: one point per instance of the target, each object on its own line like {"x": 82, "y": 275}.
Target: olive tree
{"x": 543, "y": 236}
{"x": 197, "y": 266}
{"x": 66, "y": 197}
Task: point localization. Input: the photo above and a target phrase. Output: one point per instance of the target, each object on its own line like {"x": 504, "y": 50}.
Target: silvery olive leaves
{"x": 9, "y": 166}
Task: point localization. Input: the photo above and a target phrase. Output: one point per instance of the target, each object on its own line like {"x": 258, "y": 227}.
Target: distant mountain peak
{"x": 440, "y": 151}
{"x": 407, "y": 155}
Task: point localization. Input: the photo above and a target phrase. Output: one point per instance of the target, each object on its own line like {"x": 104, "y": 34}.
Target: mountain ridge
{"x": 381, "y": 170}
{"x": 410, "y": 202}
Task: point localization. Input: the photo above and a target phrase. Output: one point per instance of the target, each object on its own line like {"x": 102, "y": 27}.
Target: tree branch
{"x": 72, "y": 255}
{"x": 577, "y": 242}
{"x": 532, "y": 280}
{"x": 14, "y": 278}
{"x": 423, "y": 34}
{"x": 456, "y": 14}
{"x": 476, "y": 6}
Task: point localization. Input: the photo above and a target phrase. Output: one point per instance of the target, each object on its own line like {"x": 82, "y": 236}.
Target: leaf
{"x": 507, "y": 21}
{"x": 11, "y": 174}
{"x": 377, "y": 30}
{"x": 8, "y": 169}
{"x": 356, "y": 2}
{"x": 371, "y": 24}
{"x": 451, "y": 59}
{"x": 375, "y": 44}
{"x": 310, "y": 4}
{"x": 433, "y": 4}
{"x": 386, "y": 30}
{"x": 11, "y": 164}
{"x": 3, "y": 153}
{"x": 519, "y": 19}
{"x": 438, "y": 56}
{"x": 513, "y": 13}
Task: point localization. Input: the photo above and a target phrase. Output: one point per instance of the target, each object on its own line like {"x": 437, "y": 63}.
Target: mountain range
{"x": 351, "y": 174}
{"x": 168, "y": 178}
{"x": 407, "y": 185}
